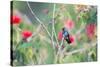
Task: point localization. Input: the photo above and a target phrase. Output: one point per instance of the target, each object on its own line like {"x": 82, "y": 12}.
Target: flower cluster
{"x": 69, "y": 24}
{"x": 17, "y": 20}
{"x": 90, "y": 30}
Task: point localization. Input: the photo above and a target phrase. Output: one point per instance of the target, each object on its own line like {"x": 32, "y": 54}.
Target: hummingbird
{"x": 66, "y": 35}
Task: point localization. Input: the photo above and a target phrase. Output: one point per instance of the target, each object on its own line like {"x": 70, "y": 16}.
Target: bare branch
{"x": 39, "y": 20}
{"x": 54, "y": 25}
{"x": 80, "y": 50}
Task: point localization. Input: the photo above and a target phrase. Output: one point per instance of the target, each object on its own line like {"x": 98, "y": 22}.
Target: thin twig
{"x": 54, "y": 25}
{"x": 59, "y": 52}
{"x": 34, "y": 34}
{"x": 61, "y": 43}
{"x": 80, "y": 50}
{"x": 82, "y": 27}
{"x": 46, "y": 39}
{"x": 39, "y": 20}
{"x": 18, "y": 28}
{"x": 53, "y": 29}
{"x": 59, "y": 49}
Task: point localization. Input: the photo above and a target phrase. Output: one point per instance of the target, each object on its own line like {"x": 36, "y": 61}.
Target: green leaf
{"x": 24, "y": 45}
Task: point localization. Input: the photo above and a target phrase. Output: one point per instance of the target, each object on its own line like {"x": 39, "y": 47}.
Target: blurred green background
{"x": 39, "y": 49}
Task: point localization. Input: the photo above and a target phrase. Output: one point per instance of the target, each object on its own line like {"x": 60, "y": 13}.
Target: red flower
{"x": 26, "y": 34}
{"x": 72, "y": 39}
{"x": 90, "y": 30}
{"x": 69, "y": 24}
{"x": 15, "y": 19}
{"x": 60, "y": 35}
